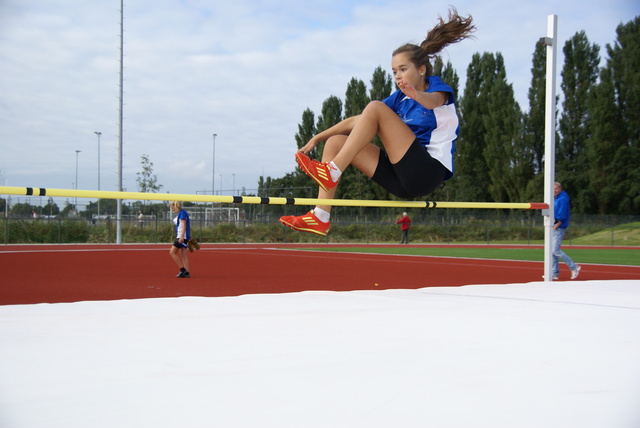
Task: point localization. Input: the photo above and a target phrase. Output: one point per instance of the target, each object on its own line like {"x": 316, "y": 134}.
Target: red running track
{"x": 70, "y": 273}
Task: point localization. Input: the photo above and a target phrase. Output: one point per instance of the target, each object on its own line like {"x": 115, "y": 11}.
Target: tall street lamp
{"x": 213, "y": 168}
{"x": 76, "y": 205}
{"x": 98, "y": 133}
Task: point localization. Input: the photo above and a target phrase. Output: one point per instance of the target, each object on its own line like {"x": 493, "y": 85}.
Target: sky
{"x": 496, "y": 356}
{"x": 242, "y": 70}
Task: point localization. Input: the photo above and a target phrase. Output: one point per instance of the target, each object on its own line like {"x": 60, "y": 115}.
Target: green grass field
{"x": 628, "y": 235}
{"x": 598, "y": 256}
{"x": 625, "y": 235}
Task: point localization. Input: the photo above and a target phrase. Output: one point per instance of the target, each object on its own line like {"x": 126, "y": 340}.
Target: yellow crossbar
{"x": 103, "y": 194}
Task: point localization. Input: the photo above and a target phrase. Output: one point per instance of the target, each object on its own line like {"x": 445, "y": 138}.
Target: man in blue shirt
{"x": 562, "y": 214}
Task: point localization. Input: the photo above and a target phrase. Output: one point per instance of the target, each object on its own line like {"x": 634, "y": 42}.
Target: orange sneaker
{"x": 306, "y": 223}
{"x": 319, "y": 171}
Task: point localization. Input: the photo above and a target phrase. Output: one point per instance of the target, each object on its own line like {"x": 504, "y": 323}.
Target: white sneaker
{"x": 575, "y": 272}
{"x": 554, "y": 277}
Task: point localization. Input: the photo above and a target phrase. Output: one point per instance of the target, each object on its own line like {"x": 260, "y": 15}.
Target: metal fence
{"x": 226, "y": 225}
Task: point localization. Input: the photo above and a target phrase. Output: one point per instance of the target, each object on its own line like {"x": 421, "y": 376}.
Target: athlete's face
{"x": 404, "y": 70}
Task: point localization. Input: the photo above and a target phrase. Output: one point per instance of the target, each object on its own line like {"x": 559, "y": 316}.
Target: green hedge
{"x": 39, "y": 231}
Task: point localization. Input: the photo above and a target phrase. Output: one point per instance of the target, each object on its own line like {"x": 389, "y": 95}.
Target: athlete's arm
{"x": 428, "y": 100}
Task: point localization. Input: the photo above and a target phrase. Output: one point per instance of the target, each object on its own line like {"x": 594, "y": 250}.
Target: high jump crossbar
{"x": 103, "y": 194}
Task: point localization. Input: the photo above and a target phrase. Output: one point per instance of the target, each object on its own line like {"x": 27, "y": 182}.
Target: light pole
{"x": 233, "y": 188}
{"x": 98, "y": 133}
{"x": 120, "y": 127}
{"x": 76, "y": 204}
{"x": 213, "y": 168}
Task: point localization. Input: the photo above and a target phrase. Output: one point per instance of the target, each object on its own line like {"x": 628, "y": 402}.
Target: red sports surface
{"x": 69, "y": 273}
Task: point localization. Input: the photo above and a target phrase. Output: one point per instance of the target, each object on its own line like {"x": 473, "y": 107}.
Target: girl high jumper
{"x": 417, "y": 124}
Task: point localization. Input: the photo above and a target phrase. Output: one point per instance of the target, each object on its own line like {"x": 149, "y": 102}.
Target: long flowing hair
{"x": 455, "y": 29}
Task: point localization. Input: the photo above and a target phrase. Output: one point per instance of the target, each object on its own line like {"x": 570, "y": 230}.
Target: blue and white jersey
{"x": 182, "y": 215}
{"x": 436, "y": 129}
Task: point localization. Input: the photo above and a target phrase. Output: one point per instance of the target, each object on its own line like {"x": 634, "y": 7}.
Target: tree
{"x": 534, "y": 123}
{"x": 624, "y": 63}
{"x": 605, "y": 137}
{"x": 534, "y": 119}
{"x": 3, "y": 202}
{"x": 624, "y": 68}
{"x": 298, "y": 181}
{"x": 51, "y": 208}
{"x": 67, "y": 210}
{"x": 472, "y": 172}
{"x": 579, "y": 75}
{"x": 380, "y": 84}
{"x": 356, "y": 98}
{"x": 22, "y": 209}
{"x": 509, "y": 165}
{"x": 448, "y": 75}
{"x": 306, "y": 129}
{"x": 331, "y": 114}
{"x": 146, "y": 179}
{"x": 264, "y": 189}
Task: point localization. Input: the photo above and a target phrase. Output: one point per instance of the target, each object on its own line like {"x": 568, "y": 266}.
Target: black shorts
{"x": 416, "y": 174}
{"x": 179, "y": 245}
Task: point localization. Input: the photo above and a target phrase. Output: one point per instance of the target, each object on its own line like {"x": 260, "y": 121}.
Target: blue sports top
{"x": 436, "y": 129}
{"x": 182, "y": 215}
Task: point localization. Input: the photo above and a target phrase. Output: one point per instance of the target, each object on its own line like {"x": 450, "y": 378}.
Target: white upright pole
{"x": 551, "y": 41}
